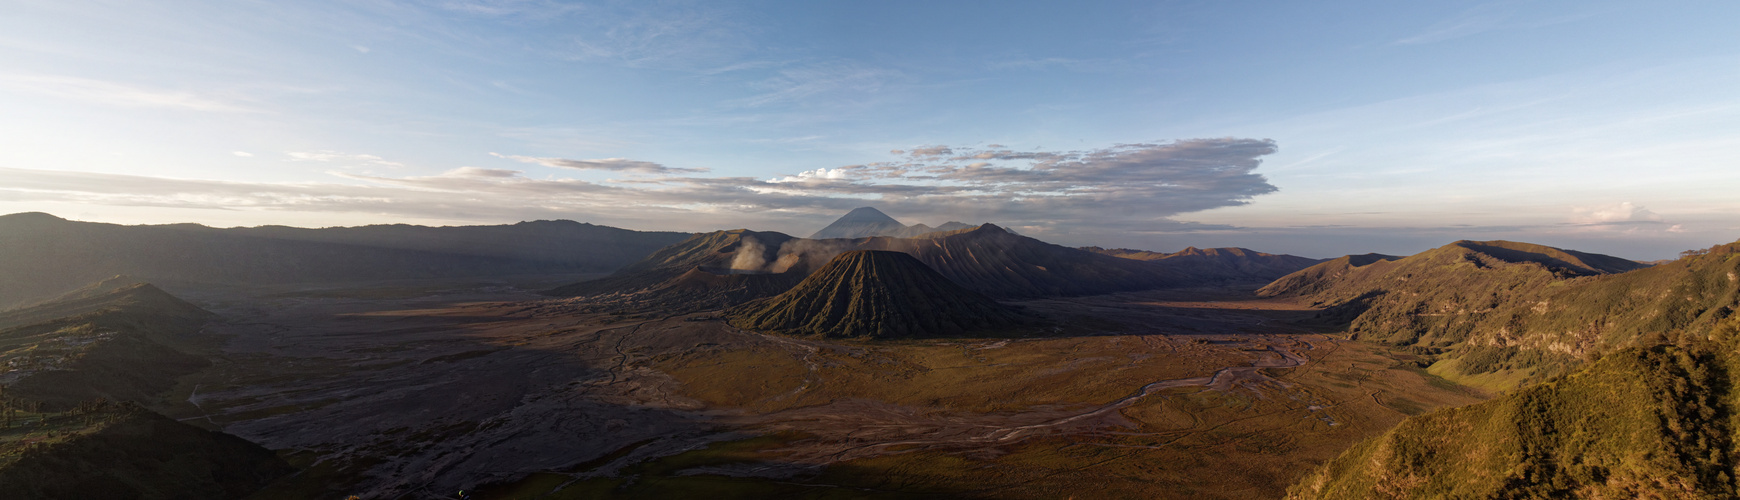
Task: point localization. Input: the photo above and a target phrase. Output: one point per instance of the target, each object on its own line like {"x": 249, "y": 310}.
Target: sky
{"x": 1311, "y": 128}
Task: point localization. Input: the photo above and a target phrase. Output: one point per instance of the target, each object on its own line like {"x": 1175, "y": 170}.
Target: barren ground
{"x": 420, "y": 392}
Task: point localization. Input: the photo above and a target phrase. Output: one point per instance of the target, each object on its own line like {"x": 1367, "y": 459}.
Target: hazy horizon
{"x": 1314, "y": 130}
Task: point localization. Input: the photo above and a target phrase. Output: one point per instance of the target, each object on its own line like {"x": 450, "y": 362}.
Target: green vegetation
{"x": 1518, "y": 308}
{"x": 1652, "y": 416}
{"x": 1638, "y": 423}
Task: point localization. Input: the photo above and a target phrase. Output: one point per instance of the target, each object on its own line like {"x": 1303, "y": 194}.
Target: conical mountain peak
{"x": 874, "y": 294}
{"x": 868, "y": 214}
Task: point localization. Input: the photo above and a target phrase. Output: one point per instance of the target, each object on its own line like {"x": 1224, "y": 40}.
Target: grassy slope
{"x": 1637, "y": 423}
{"x": 1652, "y": 416}
{"x": 1524, "y": 317}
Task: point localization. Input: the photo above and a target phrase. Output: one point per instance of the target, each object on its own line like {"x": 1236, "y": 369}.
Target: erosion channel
{"x": 1185, "y": 393}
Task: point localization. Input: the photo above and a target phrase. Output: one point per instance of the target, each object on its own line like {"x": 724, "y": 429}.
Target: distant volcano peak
{"x": 868, "y": 221}
{"x": 868, "y": 214}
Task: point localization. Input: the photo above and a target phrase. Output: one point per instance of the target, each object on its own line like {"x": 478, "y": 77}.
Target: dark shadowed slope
{"x": 126, "y": 344}
{"x": 737, "y": 250}
{"x": 986, "y": 259}
{"x": 1006, "y": 265}
{"x": 874, "y": 294}
{"x": 125, "y": 451}
{"x": 866, "y": 221}
{"x": 42, "y": 256}
{"x": 1224, "y": 265}
{"x": 75, "y": 371}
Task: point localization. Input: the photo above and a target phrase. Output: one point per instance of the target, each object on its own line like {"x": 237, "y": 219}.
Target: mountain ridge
{"x": 42, "y": 256}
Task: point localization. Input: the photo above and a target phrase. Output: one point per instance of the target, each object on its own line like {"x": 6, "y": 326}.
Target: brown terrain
{"x": 396, "y": 393}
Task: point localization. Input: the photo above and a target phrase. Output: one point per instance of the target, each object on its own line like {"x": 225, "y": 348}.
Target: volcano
{"x": 873, "y": 294}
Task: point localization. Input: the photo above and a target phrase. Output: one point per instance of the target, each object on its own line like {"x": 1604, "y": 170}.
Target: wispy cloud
{"x": 340, "y": 157}
{"x": 839, "y": 80}
{"x": 119, "y": 94}
{"x": 606, "y": 164}
{"x": 1481, "y": 18}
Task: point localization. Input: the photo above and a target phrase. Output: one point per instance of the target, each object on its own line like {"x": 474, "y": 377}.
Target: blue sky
{"x": 1311, "y": 128}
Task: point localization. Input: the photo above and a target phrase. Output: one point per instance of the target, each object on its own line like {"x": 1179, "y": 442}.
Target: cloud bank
{"x": 1128, "y": 187}
{"x": 608, "y": 164}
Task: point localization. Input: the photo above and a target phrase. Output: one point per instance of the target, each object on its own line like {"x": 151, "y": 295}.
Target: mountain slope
{"x": 1517, "y": 319}
{"x": 1651, "y": 415}
{"x": 1321, "y": 276}
{"x": 739, "y": 250}
{"x": 125, "y": 451}
{"x": 1636, "y": 424}
{"x": 127, "y": 344}
{"x": 42, "y": 256}
{"x": 874, "y": 294}
{"x": 864, "y": 222}
{"x": 986, "y": 259}
{"x": 1218, "y": 264}
{"x": 1005, "y": 265}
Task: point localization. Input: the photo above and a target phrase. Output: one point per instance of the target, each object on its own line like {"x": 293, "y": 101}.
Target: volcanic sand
{"x": 1183, "y": 394}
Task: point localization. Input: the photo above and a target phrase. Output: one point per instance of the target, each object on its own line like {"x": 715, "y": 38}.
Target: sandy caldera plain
{"x": 421, "y": 391}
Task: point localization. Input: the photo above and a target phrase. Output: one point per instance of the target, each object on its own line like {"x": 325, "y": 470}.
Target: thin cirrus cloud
{"x": 607, "y": 164}
{"x": 339, "y": 157}
{"x": 1052, "y": 193}
{"x": 118, "y": 94}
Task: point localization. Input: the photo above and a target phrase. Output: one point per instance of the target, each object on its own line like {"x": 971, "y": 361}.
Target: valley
{"x": 1170, "y": 393}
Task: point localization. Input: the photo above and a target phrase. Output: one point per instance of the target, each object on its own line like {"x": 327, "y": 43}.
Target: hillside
{"x": 1224, "y": 265}
{"x": 125, "y": 451}
{"x": 42, "y": 255}
{"x": 1639, "y": 423}
{"x": 1648, "y": 409}
{"x": 723, "y": 251}
{"x": 74, "y": 372}
{"x": 1321, "y": 276}
{"x": 128, "y": 343}
{"x": 867, "y": 221}
{"x": 986, "y": 259}
{"x": 874, "y": 295}
{"x": 1502, "y": 322}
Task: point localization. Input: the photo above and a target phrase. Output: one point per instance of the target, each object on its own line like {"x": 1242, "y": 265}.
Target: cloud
{"x": 1131, "y": 187}
{"x": 1622, "y": 216}
{"x": 1622, "y": 212}
{"x": 608, "y": 164}
{"x": 810, "y": 175}
{"x": 835, "y": 80}
{"x": 118, "y": 94}
{"x": 1478, "y": 19}
{"x": 243, "y": 154}
{"x": 340, "y": 157}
